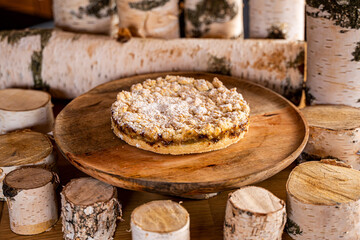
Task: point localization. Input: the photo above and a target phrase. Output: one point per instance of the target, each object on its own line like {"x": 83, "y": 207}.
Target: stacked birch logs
{"x": 333, "y": 32}
{"x": 31, "y": 199}
{"x": 89, "y": 209}
{"x": 280, "y": 19}
{"x": 164, "y": 220}
{"x": 323, "y": 200}
{"x": 254, "y": 213}
{"x": 24, "y": 148}
{"x": 20, "y": 109}
{"x": 74, "y": 63}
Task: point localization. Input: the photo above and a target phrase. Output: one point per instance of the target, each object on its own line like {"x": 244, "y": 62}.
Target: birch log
{"x": 150, "y": 18}
{"x": 72, "y": 64}
{"x": 31, "y": 199}
{"x": 25, "y": 148}
{"x": 280, "y": 19}
{"x": 20, "y": 109}
{"x": 333, "y": 70}
{"x": 214, "y": 19}
{"x": 334, "y": 133}
{"x": 93, "y": 16}
{"x": 160, "y": 220}
{"x": 89, "y": 209}
{"x": 254, "y": 213}
{"x": 323, "y": 202}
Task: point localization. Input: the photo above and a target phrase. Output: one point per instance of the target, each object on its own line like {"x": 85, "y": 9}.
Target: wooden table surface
{"x": 206, "y": 216}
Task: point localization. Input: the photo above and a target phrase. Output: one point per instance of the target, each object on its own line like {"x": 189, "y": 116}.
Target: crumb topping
{"x": 176, "y": 108}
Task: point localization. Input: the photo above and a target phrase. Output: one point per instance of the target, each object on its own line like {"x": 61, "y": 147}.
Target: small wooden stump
{"x": 323, "y": 202}
{"x": 334, "y": 133}
{"x": 20, "y": 109}
{"x": 254, "y": 213}
{"x": 160, "y": 220}
{"x": 24, "y": 148}
{"x": 89, "y": 209}
{"x": 31, "y": 199}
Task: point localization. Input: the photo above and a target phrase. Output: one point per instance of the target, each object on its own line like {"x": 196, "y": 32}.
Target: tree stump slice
{"x": 254, "y": 213}
{"x": 20, "y": 109}
{"x": 334, "y": 133}
{"x": 24, "y": 148}
{"x": 89, "y": 209}
{"x": 213, "y": 19}
{"x": 150, "y": 19}
{"x": 333, "y": 52}
{"x": 323, "y": 202}
{"x": 165, "y": 220}
{"x": 277, "y": 19}
{"x": 31, "y": 199}
{"x": 84, "y": 15}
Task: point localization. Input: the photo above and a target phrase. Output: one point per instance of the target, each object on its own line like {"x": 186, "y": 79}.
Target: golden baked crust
{"x": 180, "y": 115}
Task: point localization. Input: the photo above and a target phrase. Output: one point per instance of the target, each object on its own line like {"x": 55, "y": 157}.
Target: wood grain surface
{"x": 277, "y": 135}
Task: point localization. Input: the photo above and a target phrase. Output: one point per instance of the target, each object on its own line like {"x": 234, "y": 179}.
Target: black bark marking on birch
{"x": 356, "y": 53}
{"x": 96, "y": 8}
{"x": 14, "y": 36}
{"x": 309, "y": 98}
{"x": 298, "y": 62}
{"x": 36, "y": 63}
{"x": 231, "y": 226}
{"x": 305, "y": 157}
{"x": 209, "y": 12}
{"x": 292, "y": 228}
{"x": 219, "y": 65}
{"x": 147, "y": 5}
{"x": 276, "y": 32}
{"x": 9, "y": 192}
{"x": 344, "y": 13}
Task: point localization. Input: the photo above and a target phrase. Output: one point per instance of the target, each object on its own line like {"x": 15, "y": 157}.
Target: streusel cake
{"x": 180, "y": 115}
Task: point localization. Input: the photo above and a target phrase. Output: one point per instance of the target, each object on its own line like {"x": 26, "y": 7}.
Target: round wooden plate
{"x": 277, "y": 135}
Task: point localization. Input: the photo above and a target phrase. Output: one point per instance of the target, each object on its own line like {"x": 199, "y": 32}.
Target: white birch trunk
{"x": 323, "y": 202}
{"x": 254, "y": 213}
{"x": 214, "y": 19}
{"x": 89, "y": 210}
{"x": 160, "y": 220}
{"x": 31, "y": 200}
{"x": 84, "y": 15}
{"x": 333, "y": 59}
{"x": 25, "y": 148}
{"x": 20, "y": 109}
{"x": 150, "y": 18}
{"x": 74, "y": 63}
{"x": 282, "y": 19}
{"x": 334, "y": 133}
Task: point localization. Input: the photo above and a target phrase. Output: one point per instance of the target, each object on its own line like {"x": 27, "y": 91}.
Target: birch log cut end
{"x": 254, "y": 213}
{"x": 160, "y": 220}
{"x": 25, "y": 148}
{"x": 93, "y": 200}
{"x": 31, "y": 199}
{"x": 20, "y": 108}
{"x": 334, "y": 133}
{"x": 323, "y": 202}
